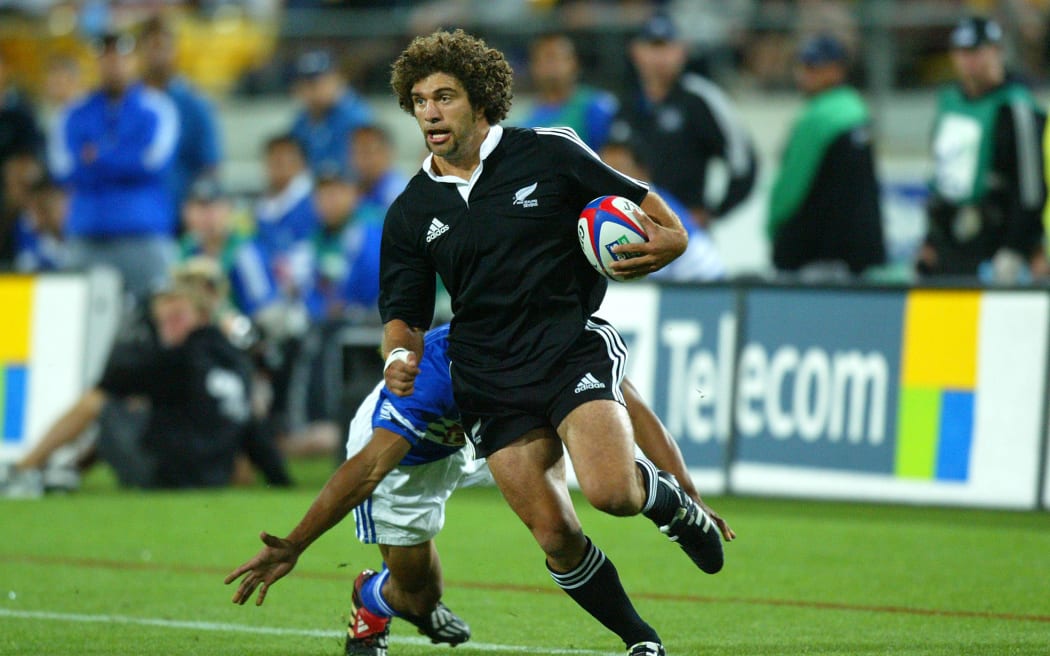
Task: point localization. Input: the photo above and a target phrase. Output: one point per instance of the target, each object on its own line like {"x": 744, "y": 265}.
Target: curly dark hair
{"x": 483, "y": 71}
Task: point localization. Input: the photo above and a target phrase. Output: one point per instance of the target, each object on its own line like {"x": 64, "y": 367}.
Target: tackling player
{"x": 405, "y": 460}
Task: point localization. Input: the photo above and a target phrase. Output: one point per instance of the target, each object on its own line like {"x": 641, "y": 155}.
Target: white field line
{"x": 225, "y": 627}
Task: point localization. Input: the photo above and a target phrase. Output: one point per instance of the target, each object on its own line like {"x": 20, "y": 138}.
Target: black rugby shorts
{"x": 494, "y": 416}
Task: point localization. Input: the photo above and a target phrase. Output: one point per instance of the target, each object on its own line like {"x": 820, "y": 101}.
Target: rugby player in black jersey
{"x": 493, "y": 211}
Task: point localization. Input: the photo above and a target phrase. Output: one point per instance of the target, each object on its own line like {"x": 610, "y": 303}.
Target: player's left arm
{"x": 667, "y": 239}
{"x": 657, "y": 444}
{"x": 350, "y": 485}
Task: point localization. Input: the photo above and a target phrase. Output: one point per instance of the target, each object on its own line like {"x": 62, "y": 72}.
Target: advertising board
{"x": 921, "y": 396}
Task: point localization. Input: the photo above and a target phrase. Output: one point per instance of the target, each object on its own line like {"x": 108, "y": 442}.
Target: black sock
{"x": 595, "y": 585}
{"x": 661, "y": 502}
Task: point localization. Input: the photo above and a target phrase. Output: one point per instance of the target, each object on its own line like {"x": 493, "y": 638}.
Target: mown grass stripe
{"x": 97, "y": 563}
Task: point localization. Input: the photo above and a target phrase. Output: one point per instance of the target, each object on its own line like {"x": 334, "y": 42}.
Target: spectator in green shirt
{"x": 824, "y": 213}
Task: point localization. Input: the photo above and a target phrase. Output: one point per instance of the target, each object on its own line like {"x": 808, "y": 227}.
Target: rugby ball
{"x": 605, "y": 222}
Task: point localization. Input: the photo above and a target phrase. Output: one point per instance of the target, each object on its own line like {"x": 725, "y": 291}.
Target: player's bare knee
{"x": 617, "y": 505}
{"x": 560, "y": 540}
{"x": 558, "y": 544}
{"x": 614, "y": 499}
{"x": 566, "y": 555}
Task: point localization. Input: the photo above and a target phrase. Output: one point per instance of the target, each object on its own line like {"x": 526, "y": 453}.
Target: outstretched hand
{"x": 272, "y": 562}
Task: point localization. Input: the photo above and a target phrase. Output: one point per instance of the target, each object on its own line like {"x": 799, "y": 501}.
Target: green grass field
{"x": 111, "y": 572}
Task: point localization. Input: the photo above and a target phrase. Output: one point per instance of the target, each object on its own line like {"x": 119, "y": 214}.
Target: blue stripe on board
{"x": 955, "y": 439}
{"x": 15, "y": 379}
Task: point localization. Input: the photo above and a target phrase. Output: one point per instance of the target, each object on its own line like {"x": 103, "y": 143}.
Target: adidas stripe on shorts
{"x": 592, "y": 369}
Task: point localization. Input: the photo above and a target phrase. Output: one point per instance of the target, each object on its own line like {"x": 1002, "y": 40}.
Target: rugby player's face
{"x": 452, "y": 129}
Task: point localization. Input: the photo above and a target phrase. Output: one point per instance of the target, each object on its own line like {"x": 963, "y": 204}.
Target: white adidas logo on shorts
{"x": 589, "y": 382}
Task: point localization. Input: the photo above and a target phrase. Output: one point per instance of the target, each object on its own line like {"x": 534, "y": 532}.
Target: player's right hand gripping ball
{"x": 605, "y": 222}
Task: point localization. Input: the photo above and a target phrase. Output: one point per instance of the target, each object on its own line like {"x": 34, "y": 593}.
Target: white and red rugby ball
{"x": 605, "y": 222}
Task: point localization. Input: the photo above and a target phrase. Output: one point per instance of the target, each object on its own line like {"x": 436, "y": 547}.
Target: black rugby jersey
{"x": 509, "y": 256}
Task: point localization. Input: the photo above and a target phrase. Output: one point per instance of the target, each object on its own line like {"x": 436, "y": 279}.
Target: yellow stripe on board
{"x": 940, "y": 339}
{"x": 16, "y": 303}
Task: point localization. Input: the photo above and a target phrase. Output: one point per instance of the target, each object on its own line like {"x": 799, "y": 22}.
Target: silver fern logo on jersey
{"x": 521, "y": 196}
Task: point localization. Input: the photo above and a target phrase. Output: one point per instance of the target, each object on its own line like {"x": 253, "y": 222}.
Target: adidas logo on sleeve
{"x": 436, "y": 229}
{"x": 588, "y": 382}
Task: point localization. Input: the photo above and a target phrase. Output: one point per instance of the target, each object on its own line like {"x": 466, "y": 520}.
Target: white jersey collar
{"x": 464, "y": 187}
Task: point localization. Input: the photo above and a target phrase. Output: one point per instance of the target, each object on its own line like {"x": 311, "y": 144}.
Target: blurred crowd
{"x": 249, "y": 46}
{"x": 123, "y": 169}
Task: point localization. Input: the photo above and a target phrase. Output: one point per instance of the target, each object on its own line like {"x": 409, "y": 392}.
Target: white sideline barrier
{"x": 1046, "y": 472}
{"x": 892, "y": 394}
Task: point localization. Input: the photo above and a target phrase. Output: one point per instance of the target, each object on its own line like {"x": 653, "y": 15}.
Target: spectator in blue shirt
{"x": 372, "y": 153}
{"x": 330, "y": 112}
{"x": 112, "y": 150}
{"x": 199, "y": 150}
{"x": 209, "y": 232}
{"x": 560, "y": 99}
{"x": 39, "y": 241}
{"x": 285, "y": 218}
{"x": 18, "y": 173}
{"x": 342, "y": 290}
{"x": 344, "y": 256}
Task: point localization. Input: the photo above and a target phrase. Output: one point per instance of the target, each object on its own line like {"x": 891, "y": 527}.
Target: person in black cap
{"x": 688, "y": 125}
{"x": 824, "y": 214}
{"x": 987, "y": 190}
{"x": 331, "y": 111}
{"x": 114, "y": 41}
